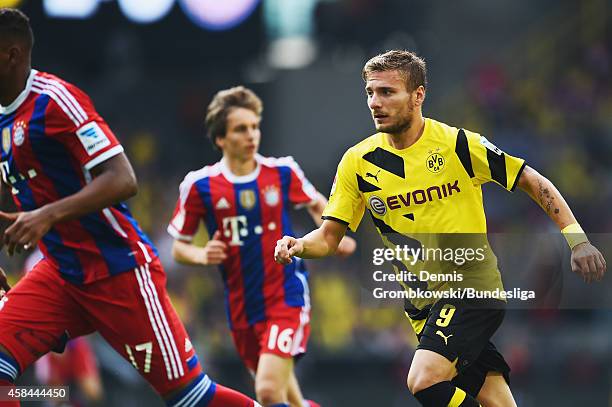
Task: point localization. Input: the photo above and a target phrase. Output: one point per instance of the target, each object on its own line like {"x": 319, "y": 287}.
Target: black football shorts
{"x": 461, "y": 330}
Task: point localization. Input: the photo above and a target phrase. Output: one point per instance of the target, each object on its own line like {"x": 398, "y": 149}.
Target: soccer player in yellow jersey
{"x": 420, "y": 180}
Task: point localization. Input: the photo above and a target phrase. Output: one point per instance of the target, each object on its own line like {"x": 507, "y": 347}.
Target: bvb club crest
{"x": 247, "y": 198}
{"x": 271, "y": 195}
{"x": 435, "y": 161}
{"x": 6, "y": 139}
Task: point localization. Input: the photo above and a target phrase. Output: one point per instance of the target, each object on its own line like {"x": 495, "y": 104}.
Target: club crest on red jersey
{"x": 19, "y": 132}
{"x": 247, "y": 198}
{"x": 271, "y": 195}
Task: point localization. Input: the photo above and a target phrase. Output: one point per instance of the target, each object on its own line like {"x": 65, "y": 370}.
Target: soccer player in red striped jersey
{"x": 68, "y": 176}
{"x": 244, "y": 201}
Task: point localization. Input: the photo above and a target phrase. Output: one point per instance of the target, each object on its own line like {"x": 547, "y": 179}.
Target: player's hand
{"x": 588, "y": 262}
{"x": 286, "y": 248}
{"x": 346, "y": 247}
{"x": 4, "y": 285}
{"x": 26, "y": 229}
{"x": 215, "y": 250}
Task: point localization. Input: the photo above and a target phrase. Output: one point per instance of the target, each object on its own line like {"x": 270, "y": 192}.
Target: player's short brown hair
{"x": 221, "y": 105}
{"x": 408, "y": 64}
{"x": 15, "y": 26}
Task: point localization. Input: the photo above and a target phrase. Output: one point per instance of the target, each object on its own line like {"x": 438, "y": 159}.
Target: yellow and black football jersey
{"x": 427, "y": 195}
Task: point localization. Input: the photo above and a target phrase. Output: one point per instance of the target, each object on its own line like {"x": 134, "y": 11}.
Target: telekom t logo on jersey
{"x": 236, "y": 227}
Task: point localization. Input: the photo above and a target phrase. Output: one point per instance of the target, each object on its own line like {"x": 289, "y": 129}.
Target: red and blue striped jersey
{"x": 52, "y": 137}
{"x": 252, "y": 213}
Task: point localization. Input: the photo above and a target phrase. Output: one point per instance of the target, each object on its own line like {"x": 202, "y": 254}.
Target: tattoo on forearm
{"x": 546, "y": 199}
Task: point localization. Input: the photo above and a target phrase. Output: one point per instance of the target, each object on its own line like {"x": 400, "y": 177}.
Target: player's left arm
{"x": 586, "y": 259}
{"x": 347, "y": 245}
{"x": 113, "y": 181}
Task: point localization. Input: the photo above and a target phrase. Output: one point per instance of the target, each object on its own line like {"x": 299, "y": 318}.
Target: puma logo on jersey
{"x": 370, "y": 175}
{"x": 438, "y": 332}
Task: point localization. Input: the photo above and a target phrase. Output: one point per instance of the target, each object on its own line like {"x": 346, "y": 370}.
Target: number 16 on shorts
{"x": 281, "y": 340}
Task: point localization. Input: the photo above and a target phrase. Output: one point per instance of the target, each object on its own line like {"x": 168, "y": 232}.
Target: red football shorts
{"x": 130, "y": 310}
{"x": 285, "y": 334}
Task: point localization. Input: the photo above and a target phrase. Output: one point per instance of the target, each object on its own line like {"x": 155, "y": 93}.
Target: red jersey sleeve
{"x": 188, "y": 212}
{"x": 301, "y": 191}
{"x": 72, "y": 119}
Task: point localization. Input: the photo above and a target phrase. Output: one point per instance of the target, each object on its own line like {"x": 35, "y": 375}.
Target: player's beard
{"x": 404, "y": 123}
{"x": 397, "y": 128}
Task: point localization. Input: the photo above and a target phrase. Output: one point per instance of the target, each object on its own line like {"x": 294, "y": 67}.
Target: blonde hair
{"x": 408, "y": 64}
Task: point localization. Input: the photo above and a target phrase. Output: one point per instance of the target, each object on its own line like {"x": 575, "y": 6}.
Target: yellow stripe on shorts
{"x": 417, "y": 324}
{"x": 457, "y": 398}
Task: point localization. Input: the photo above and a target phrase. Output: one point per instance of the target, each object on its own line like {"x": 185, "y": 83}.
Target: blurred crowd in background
{"x": 534, "y": 77}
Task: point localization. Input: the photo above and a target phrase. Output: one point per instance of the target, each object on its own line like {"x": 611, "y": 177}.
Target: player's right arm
{"x": 320, "y": 242}
{"x": 88, "y": 141}
{"x": 344, "y": 210}
{"x": 188, "y": 213}
{"x": 212, "y": 254}
{"x": 113, "y": 181}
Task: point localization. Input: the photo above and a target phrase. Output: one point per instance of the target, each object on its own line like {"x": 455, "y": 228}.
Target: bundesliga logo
{"x": 377, "y": 205}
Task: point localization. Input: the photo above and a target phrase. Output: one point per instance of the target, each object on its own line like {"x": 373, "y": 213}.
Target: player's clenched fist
{"x": 215, "y": 250}
{"x": 26, "y": 229}
{"x": 286, "y": 248}
{"x": 588, "y": 262}
{"x": 346, "y": 247}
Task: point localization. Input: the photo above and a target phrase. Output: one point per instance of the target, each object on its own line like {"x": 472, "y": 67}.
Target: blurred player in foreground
{"x": 244, "y": 200}
{"x": 76, "y": 366}
{"x": 68, "y": 176}
{"x": 420, "y": 179}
